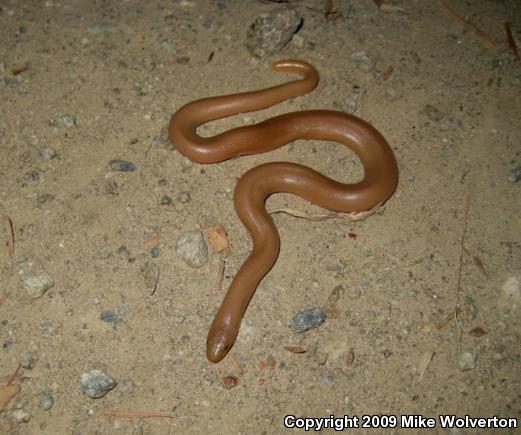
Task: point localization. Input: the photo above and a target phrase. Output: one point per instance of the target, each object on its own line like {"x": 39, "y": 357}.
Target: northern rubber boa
{"x": 256, "y": 185}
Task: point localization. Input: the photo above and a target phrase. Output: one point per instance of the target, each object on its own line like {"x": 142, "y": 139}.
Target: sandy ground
{"x": 97, "y": 81}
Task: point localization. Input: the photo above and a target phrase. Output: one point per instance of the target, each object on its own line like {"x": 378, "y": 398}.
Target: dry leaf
{"x": 477, "y": 332}
{"x": 350, "y": 357}
{"x": 330, "y": 306}
{"x": 153, "y": 241}
{"x": 7, "y": 394}
{"x": 270, "y": 361}
{"x": 217, "y": 238}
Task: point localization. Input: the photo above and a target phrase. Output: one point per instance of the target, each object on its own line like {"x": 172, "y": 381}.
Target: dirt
{"x": 448, "y": 103}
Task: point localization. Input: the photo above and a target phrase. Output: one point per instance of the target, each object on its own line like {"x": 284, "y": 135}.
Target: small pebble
{"x": 7, "y": 345}
{"x": 355, "y": 293}
{"x": 308, "y": 319}
{"x": 155, "y": 251}
{"x": 121, "y": 165}
{"x": 124, "y": 252}
{"x": 48, "y": 153}
{"x": 32, "y": 176}
{"x": 96, "y": 384}
{"x": 186, "y": 164}
{"x": 184, "y": 197}
{"x": 353, "y": 100}
{"x": 27, "y": 359}
{"x": 467, "y": 360}
{"x": 64, "y": 121}
{"x": 166, "y": 200}
{"x": 433, "y": 113}
{"x": 192, "y": 248}
{"x": 298, "y": 41}
{"x": 36, "y": 286}
{"x": 114, "y": 316}
{"x": 328, "y": 378}
{"x": 19, "y": 415}
{"x": 511, "y": 288}
{"x": 20, "y": 259}
{"x": 515, "y": 174}
{"x": 46, "y": 401}
{"x": 387, "y": 353}
{"x": 163, "y": 182}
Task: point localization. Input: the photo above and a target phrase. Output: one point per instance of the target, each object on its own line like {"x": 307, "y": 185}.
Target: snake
{"x": 379, "y": 181}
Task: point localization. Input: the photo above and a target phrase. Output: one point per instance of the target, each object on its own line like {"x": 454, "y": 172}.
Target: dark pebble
{"x": 308, "y": 319}
{"x": 155, "y": 251}
{"x": 32, "y": 175}
{"x": 7, "y": 345}
{"x": 114, "y": 316}
{"x": 121, "y": 165}
{"x": 166, "y": 200}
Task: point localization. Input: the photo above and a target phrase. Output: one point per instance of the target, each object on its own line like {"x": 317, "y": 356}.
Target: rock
{"x": 46, "y": 401}
{"x": 96, "y": 384}
{"x": 308, "y": 319}
{"x": 272, "y": 31}
{"x": 467, "y": 360}
{"x": 122, "y": 165}
{"x": 36, "y": 286}
{"x": 192, "y": 248}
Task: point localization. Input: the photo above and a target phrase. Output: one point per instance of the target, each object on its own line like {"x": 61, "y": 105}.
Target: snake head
{"x": 217, "y": 346}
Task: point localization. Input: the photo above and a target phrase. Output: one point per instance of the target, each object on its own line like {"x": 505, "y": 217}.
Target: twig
{"x": 220, "y": 276}
{"x": 136, "y": 414}
{"x": 484, "y": 36}
{"x": 353, "y": 216}
{"x": 156, "y": 282}
{"x": 462, "y": 250}
{"x": 13, "y": 376}
{"x": 510, "y": 39}
{"x": 8, "y": 225}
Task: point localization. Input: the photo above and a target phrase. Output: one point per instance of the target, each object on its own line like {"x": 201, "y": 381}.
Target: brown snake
{"x": 256, "y": 185}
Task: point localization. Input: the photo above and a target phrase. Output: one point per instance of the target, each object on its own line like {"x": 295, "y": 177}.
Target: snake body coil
{"x": 256, "y": 185}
